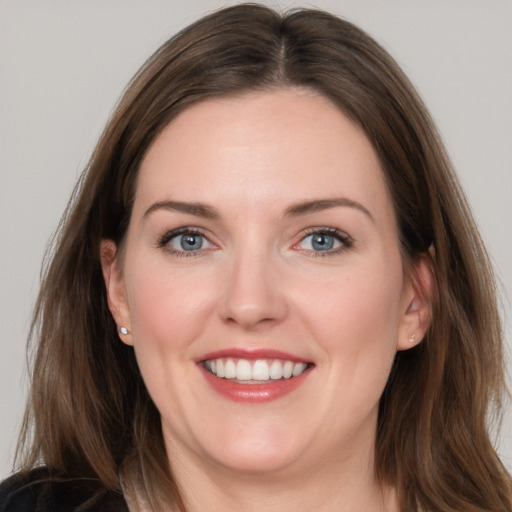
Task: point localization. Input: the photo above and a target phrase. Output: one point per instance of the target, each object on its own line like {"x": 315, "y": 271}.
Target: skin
{"x": 258, "y": 283}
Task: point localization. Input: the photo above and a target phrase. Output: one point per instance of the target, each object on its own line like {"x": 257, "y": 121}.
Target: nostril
{"x": 248, "y": 317}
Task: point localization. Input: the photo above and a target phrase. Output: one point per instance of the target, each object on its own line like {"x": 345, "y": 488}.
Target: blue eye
{"x": 188, "y": 242}
{"x": 321, "y": 242}
{"x": 325, "y": 242}
{"x": 185, "y": 241}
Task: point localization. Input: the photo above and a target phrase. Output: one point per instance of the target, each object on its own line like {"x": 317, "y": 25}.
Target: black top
{"x": 36, "y": 491}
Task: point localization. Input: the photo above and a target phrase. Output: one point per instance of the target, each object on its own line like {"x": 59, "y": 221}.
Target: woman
{"x": 268, "y": 292}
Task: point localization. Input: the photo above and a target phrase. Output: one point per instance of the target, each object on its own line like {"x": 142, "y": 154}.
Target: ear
{"x": 417, "y": 304}
{"x": 114, "y": 284}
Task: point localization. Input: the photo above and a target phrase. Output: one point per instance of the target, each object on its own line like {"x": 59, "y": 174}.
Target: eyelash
{"x": 345, "y": 241}
{"x": 163, "y": 241}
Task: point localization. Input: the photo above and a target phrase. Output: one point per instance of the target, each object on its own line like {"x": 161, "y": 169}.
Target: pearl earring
{"x": 412, "y": 338}
{"x": 123, "y": 330}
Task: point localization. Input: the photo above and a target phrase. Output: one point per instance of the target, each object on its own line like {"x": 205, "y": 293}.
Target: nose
{"x": 253, "y": 294}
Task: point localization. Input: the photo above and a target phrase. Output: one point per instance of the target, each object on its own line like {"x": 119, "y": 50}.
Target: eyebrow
{"x": 323, "y": 204}
{"x": 209, "y": 212}
{"x": 198, "y": 209}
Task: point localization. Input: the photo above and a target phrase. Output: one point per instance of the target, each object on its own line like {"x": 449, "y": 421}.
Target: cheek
{"x": 168, "y": 313}
{"x": 355, "y": 317}
{"x": 167, "y": 308}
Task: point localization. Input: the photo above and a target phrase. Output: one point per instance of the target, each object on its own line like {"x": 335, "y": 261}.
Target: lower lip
{"x": 254, "y": 393}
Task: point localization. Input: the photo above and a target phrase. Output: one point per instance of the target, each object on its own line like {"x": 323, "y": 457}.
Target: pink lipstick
{"x": 253, "y": 375}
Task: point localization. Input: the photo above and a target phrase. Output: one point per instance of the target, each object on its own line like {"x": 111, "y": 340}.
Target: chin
{"x": 258, "y": 460}
{"x": 261, "y": 447}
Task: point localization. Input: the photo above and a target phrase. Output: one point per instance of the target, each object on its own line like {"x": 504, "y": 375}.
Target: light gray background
{"x": 63, "y": 65}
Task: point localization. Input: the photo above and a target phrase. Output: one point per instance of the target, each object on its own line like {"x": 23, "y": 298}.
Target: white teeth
{"x": 287, "y": 369}
{"x": 220, "y": 368}
{"x": 243, "y": 370}
{"x": 230, "y": 369}
{"x": 276, "y": 370}
{"x": 298, "y": 368}
{"x": 259, "y": 370}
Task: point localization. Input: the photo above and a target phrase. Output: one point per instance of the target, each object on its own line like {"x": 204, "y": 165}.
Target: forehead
{"x": 262, "y": 149}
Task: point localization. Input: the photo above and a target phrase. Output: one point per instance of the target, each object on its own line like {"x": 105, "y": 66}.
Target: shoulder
{"x": 38, "y": 491}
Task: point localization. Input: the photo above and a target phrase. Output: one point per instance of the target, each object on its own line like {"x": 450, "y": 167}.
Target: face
{"x": 262, "y": 284}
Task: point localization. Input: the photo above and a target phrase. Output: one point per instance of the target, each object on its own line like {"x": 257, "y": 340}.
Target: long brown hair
{"x": 89, "y": 412}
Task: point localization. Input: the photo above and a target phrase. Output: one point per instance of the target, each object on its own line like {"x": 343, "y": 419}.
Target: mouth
{"x": 254, "y": 376}
{"x": 258, "y": 371}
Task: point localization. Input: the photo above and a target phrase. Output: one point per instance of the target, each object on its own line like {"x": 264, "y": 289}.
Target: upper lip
{"x": 252, "y": 354}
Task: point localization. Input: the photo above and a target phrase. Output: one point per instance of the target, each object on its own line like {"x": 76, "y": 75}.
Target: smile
{"x": 254, "y": 376}
{"x": 254, "y": 371}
